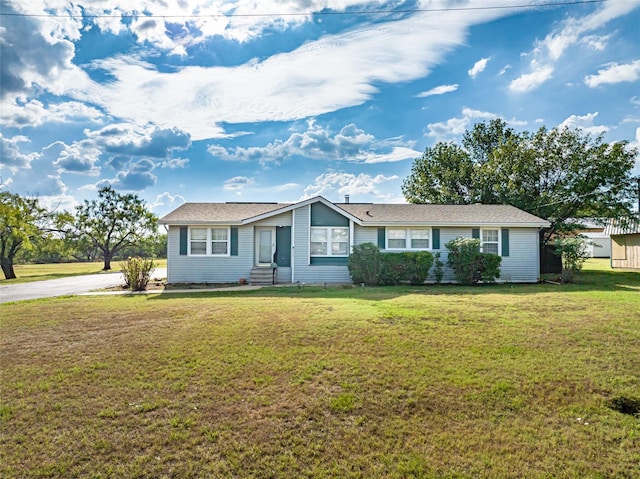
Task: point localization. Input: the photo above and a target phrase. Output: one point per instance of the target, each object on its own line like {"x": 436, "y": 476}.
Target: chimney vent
{"x": 346, "y": 198}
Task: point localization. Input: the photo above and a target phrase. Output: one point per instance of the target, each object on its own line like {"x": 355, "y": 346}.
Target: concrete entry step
{"x": 263, "y": 276}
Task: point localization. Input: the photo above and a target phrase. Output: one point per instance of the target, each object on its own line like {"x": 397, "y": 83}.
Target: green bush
{"x": 390, "y": 269}
{"x": 416, "y": 265}
{"x": 438, "y": 268}
{"x": 368, "y": 265}
{"x": 364, "y": 264}
{"x": 469, "y": 265}
{"x": 574, "y": 253}
{"x": 137, "y": 273}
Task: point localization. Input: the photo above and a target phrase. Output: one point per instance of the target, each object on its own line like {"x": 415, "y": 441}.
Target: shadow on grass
{"x": 586, "y": 281}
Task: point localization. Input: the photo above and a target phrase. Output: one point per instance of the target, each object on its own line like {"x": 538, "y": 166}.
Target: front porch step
{"x": 263, "y": 276}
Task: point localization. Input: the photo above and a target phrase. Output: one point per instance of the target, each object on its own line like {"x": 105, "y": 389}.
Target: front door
{"x": 265, "y": 246}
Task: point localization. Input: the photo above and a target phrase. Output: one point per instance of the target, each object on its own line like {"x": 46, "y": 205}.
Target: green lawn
{"x": 37, "y": 272}
{"x": 398, "y": 382}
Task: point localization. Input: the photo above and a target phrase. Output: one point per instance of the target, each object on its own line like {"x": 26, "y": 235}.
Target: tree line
{"x": 112, "y": 226}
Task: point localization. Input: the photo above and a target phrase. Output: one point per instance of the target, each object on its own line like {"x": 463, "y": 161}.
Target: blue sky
{"x": 277, "y": 100}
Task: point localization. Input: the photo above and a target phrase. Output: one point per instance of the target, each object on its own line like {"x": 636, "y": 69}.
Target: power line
{"x": 305, "y": 14}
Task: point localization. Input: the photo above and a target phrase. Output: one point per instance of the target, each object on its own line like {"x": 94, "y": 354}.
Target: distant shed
{"x": 625, "y": 243}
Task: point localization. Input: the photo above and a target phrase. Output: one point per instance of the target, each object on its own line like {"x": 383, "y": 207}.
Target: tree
{"x": 113, "y": 222}
{"x": 557, "y": 174}
{"x": 22, "y": 221}
{"x": 445, "y": 174}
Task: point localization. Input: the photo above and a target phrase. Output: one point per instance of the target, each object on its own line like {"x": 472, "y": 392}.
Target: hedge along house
{"x": 310, "y": 241}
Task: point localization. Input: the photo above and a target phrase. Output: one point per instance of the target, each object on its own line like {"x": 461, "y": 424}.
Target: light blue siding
{"x": 304, "y": 272}
{"x": 199, "y": 269}
{"x": 521, "y": 266}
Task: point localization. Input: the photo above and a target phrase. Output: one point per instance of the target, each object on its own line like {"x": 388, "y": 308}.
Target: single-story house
{"x": 625, "y": 243}
{"x": 310, "y": 241}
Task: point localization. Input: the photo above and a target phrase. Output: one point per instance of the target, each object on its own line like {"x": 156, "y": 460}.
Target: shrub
{"x": 137, "y": 273}
{"x": 470, "y": 265}
{"x": 390, "y": 269}
{"x": 416, "y": 265}
{"x": 368, "y": 265}
{"x": 438, "y": 272}
{"x": 408, "y": 266}
{"x": 574, "y": 253}
{"x": 364, "y": 264}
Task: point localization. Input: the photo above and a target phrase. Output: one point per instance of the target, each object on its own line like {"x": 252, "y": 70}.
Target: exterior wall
{"x": 303, "y": 271}
{"x": 283, "y": 219}
{"x": 602, "y": 247}
{"x": 521, "y": 266}
{"x": 625, "y": 251}
{"x": 199, "y": 269}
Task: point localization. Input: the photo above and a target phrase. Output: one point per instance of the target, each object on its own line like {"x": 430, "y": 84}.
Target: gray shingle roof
{"x": 368, "y": 214}
{"x": 227, "y": 213}
{"x": 440, "y": 214}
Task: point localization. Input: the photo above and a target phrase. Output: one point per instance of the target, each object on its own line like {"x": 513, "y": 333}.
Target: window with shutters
{"x": 209, "y": 241}
{"x": 490, "y": 241}
{"x": 408, "y": 238}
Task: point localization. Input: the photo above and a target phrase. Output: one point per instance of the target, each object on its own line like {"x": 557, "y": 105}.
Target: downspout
{"x": 293, "y": 246}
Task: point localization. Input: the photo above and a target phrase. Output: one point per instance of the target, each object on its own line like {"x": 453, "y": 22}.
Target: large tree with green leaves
{"x": 557, "y": 174}
{"x": 22, "y": 222}
{"x": 113, "y": 222}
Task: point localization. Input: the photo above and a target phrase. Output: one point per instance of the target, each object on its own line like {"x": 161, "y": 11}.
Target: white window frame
{"x": 328, "y": 235}
{"x": 499, "y": 242}
{"x": 408, "y": 238}
{"x": 209, "y": 240}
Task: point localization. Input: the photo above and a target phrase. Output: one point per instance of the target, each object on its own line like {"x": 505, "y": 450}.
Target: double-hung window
{"x": 408, "y": 239}
{"x": 329, "y": 241}
{"x": 490, "y": 242}
{"x": 209, "y": 241}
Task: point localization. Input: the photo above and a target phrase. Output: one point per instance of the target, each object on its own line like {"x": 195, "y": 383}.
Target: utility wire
{"x": 301, "y": 14}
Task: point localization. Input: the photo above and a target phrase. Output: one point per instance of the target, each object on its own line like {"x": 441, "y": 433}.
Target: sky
{"x": 283, "y": 100}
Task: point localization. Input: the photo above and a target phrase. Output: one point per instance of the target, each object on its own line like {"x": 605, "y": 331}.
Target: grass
{"x": 397, "y": 382}
{"x": 38, "y": 272}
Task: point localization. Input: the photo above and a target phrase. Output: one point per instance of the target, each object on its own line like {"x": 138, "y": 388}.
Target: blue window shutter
{"x": 382, "y": 239}
{"x": 183, "y": 240}
{"x": 435, "y": 232}
{"x": 505, "y": 242}
{"x": 234, "y": 242}
{"x": 475, "y": 233}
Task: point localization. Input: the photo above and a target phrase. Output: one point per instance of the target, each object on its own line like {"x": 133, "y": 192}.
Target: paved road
{"x": 65, "y": 286}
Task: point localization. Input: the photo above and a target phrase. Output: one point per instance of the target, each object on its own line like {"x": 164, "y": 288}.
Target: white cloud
{"x": 504, "y": 70}
{"x": 573, "y": 31}
{"x": 478, "y": 67}
{"x": 321, "y": 76}
{"x": 137, "y": 177}
{"x": 80, "y": 157}
{"x": 12, "y": 157}
{"x": 335, "y": 183}
{"x": 439, "y": 90}
{"x": 614, "y": 73}
{"x": 531, "y": 81}
{"x": 585, "y": 123}
{"x": 168, "y": 200}
{"x": 34, "y": 113}
{"x": 318, "y": 143}
{"x": 457, "y": 126}
{"x": 238, "y": 183}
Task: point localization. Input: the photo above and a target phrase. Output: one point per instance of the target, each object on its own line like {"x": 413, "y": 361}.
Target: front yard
{"x": 499, "y": 381}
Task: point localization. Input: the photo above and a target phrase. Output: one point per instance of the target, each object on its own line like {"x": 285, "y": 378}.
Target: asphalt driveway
{"x": 65, "y": 286}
